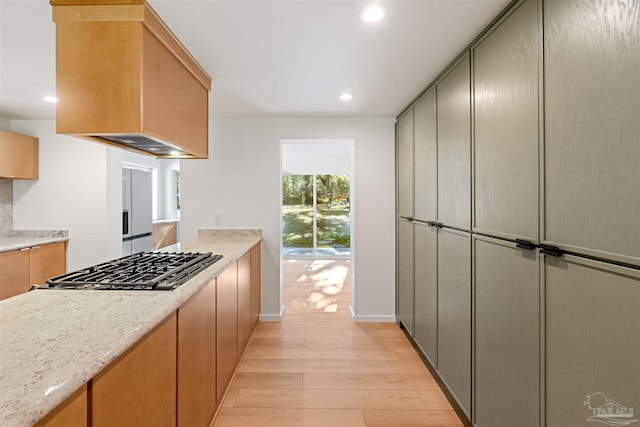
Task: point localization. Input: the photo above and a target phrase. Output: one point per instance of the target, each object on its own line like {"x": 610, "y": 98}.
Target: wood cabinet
{"x": 18, "y": 156}
{"x": 405, "y": 164}
{"x": 454, "y": 313}
{"x": 592, "y": 131}
{"x": 505, "y": 76}
{"x": 245, "y": 324}
{"x": 14, "y": 273}
{"x": 454, "y": 146}
{"x": 20, "y": 269}
{"x": 592, "y": 339}
{"x": 226, "y": 327}
{"x": 120, "y": 72}
{"x": 165, "y": 234}
{"x": 139, "y": 388}
{"x": 47, "y": 261}
{"x": 256, "y": 285}
{"x": 197, "y": 358}
{"x": 425, "y": 168}
{"x": 506, "y": 334}
{"x": 405, "y": 293}
{"x": 71, "y": 412}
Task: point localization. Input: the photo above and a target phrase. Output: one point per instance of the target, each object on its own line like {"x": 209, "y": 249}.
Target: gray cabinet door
{"x": 426, "y": 158}
{"x": 405, "y": 274}
{"x": 405, "y": 164}
{"x": 505, "y": 74}
{"x": 454, "y": 313}
{"x": 426, "y": 290}
{"x": 506, "y": 335}
{"x": 592, "y": 126}
{"x": 592, "y": 341}
{"x": 454, "y": 147}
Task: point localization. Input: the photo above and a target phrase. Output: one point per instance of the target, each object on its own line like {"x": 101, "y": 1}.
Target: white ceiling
{"x": 270, "y": 57}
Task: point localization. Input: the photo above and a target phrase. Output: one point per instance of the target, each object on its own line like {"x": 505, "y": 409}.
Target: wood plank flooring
{"x": 317, "y": 368}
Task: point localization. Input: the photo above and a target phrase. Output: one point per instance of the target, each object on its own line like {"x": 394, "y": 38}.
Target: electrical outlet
{"x": 217, "y": 219}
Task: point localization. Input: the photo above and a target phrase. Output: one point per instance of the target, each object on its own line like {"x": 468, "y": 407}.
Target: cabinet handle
{"x": 551, "y": 250}
{"x": 525, "y": 244}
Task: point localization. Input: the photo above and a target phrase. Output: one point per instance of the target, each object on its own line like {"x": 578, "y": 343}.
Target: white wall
{"x": 70, "y": 193}
{"x": 241, "y": 181}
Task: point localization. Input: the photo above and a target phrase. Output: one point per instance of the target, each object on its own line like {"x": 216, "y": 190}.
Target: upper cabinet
{"x": 124, "y": 79}
{"x": 426, "y": 158}
{"x": 18, "y": 156}
{"x": 405, "y": 164}
{"x": 454, "y": 146}
{"x": 592, "y": 131}
{"x": 505, "y": 77}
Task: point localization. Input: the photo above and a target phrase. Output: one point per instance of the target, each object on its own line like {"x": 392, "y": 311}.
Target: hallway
{"x": 317, "y": 368}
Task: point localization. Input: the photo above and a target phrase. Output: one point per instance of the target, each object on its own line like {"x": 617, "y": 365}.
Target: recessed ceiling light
{"x": 346, "y": 96}
{"x": 175, "y": 153}
{"x": 50, "y": 98}
{"x": 372, "y": 13}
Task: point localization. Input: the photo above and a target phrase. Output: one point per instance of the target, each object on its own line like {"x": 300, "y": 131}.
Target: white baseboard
{"x": 272, "y": 317}
{"x": 368, "y": 318}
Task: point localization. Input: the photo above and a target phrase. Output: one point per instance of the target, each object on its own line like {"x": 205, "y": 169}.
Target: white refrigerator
{"x": 136, "y": 211}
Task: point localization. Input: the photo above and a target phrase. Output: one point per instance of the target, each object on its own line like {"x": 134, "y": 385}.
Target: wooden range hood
{"x": 124, "y": 79}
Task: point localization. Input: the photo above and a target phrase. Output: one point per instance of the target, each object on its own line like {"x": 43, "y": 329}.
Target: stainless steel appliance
{"x": 136, "y": 211}
{"x": 149, "y": 271}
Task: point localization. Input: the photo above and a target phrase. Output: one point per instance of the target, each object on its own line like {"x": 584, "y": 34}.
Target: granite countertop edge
{"x": 20, "y": 239}
{"x": 96, "y": 327}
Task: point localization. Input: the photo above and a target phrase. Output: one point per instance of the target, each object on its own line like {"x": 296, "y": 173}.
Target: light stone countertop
{"x": 54, "y": 341}
{"x": 26, "y": 239}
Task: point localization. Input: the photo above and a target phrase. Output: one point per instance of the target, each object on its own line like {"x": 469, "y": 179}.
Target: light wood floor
{"x": 317, "y": 368}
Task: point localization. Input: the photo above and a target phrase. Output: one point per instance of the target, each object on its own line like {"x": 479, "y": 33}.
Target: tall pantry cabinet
{"x": 506, "y": 187}
{"x": 592, "y": 207}
{"x": 525, "y": 252}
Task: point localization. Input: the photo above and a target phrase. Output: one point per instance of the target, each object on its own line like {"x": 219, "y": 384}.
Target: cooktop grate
{"x": 140, "y": 271}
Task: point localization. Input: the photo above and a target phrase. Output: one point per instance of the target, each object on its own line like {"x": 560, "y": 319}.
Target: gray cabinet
{"x": 454, "y": 313}
{"x": 426, "y": 290}
{"x": 405, "y": 164}
{"x": 505, "y": 75}
{"x": 592, "y": 130}
{"x": 405, "y": 274}
{"x": 592, "y": 339}
{"x": 454, "y": 146}
{"x": 426, "y": 158}
{"x": 506, "y": 334}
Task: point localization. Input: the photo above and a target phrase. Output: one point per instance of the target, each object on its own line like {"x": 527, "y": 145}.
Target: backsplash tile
{"x": 6, "y": 207}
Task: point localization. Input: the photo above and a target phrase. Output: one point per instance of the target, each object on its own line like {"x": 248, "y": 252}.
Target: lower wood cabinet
{"x": 14, "y": 273}
{"x": 197, "y": 358}
{"x": 226, "y": 327}
{"x": 20, "y": 269}
{"x": 71, "y": 412}
{"x": 47, "y": 261}
{"x": 256, "y": 285}
{"x": 139, "y": 389}
{"x": 245, "y": 326}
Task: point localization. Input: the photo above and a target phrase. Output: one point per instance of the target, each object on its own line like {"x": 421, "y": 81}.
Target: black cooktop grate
{"x": 140, "y": 271}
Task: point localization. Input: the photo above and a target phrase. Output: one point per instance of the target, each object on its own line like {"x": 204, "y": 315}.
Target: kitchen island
{"x": 53, "y": 342}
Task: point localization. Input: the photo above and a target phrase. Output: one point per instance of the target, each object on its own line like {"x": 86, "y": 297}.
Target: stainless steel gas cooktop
{"x": 149, "y": 271}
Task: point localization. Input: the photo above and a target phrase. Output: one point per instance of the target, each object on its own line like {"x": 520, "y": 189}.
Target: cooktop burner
{"x": 159, "y": 271}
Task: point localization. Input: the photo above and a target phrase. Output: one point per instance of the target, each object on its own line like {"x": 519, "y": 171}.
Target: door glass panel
{"x": 297, "y": 214}
{"x": 333, "y": 215}
{"x": 316, "y": 215}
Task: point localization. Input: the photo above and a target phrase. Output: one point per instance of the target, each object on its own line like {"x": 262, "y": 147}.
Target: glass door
{"x": 316, "y": 216}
